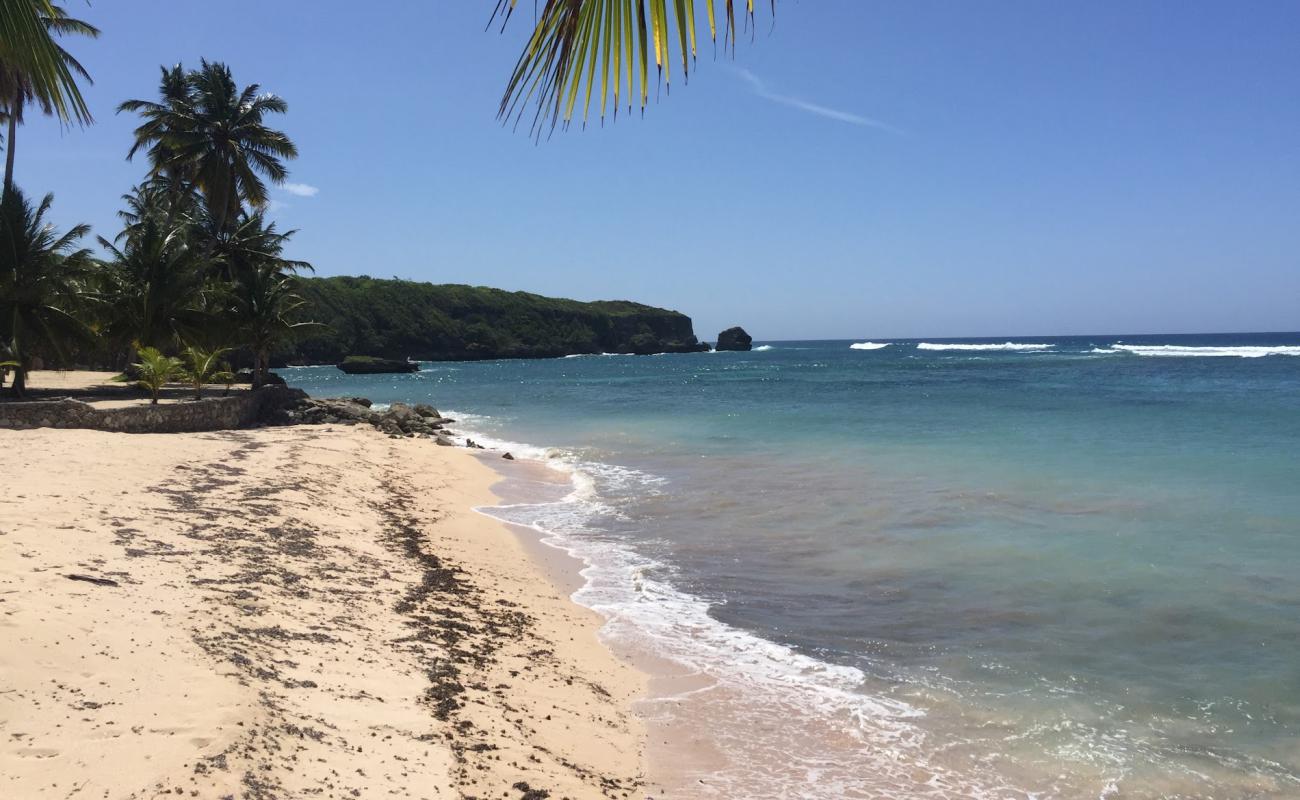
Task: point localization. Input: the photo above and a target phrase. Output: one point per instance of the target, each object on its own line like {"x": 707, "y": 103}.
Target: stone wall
{"x": 239, "y": 410}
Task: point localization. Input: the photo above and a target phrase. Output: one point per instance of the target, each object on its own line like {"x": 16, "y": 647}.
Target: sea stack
{"x": 735, "y": 339}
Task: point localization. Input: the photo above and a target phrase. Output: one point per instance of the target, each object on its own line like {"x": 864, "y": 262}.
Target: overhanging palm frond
{"x": 26, "y": 43}
{"x": 604, "y": 47}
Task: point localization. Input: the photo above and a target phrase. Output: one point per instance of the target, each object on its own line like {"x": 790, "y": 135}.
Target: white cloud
{"x": 759, "y": 88}
{"x": 300, "y": 189}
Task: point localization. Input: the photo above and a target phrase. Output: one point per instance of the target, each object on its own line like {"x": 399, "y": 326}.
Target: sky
{"x": 858, "y": 169}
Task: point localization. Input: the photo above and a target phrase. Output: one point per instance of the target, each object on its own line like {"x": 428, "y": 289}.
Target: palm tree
{"x": 152, "y": 283}
{"x": 251, "y": 242}
{"x": 172, "y": 114}
{"x": 206, "y": 366}
{"x": 263, "y": 306}
{"x": 20, "y": 87}
{"x": 579, "y": 45}
{"x": 40, "y": 281}
{"x": 214, "y": 134}
{"x": 27, "y": 48}
{"x": 155, "y": 370}
{"x": 162, "y": 199}
{"x": 261, "y": 300}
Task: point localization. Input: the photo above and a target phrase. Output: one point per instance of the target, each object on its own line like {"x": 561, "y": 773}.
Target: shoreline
{"x": 677, "y": 760}
{"x": 292, "y": 600}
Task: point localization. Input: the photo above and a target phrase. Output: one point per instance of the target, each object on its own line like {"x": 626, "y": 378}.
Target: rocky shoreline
{"x": 399, "y": 420}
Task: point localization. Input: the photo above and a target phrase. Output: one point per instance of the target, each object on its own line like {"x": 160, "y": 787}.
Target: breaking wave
{"x": 755, "y": 680}
{"x": 1182, "y": 351}
{"x": 1009, "y": 346}
{"x": 868, "y": 345}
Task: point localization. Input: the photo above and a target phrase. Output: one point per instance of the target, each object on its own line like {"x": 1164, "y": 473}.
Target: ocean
{"x": 1047, "y": 567}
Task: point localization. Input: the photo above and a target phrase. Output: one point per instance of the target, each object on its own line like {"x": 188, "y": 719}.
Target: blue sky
{"x": 859, "y": 169}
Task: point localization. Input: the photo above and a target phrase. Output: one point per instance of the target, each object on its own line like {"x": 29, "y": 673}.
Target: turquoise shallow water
{"x": 1056, "y": 567}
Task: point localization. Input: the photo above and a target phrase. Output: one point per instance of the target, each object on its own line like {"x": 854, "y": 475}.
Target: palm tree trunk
{"x": 259, "y": 368}
{"x": 16, "y": 347}
{"x": 14, "y": 113}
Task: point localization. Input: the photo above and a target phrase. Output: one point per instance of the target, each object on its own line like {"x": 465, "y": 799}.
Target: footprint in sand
{"x": 38, "y": 752}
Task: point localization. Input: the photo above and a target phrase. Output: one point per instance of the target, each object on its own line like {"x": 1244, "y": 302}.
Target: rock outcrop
{"x": 369, "y": 365}
{"x": 735, "y": 339}
{"x": 399, "y": 419}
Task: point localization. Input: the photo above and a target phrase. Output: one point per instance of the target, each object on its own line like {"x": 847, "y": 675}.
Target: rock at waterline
{"x": 735, "y": 339}
{"x": 369, "y": 365}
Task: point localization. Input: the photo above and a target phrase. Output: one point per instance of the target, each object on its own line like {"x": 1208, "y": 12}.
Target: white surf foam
{"x": 1008, "y": 346}
{"x": 763, "y": 348}
{"x": 1182, "y": 351}
{"x": 777, "y": 683}
{"x": 868, "y": 345}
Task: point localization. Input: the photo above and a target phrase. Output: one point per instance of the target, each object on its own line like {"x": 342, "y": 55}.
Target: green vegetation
{"x": 42, "y": 282}
{"x": 206, "y": 366}
{"x": 151, "y": 284}
{"x": 427, "y": 322}
{"x": 207, "y": 133}
{"x": 21, "y": 86}
{"x": 155, "y": 370}
{"x": 605, "y": 46}
{"x": 196, "y": 267}
{"x": 28, "y": 53}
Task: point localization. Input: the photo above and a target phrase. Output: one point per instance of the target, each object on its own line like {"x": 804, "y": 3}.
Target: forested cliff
{"x": 452, "y": 322}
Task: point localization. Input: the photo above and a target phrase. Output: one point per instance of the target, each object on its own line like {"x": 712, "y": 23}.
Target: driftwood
{"x": 92, "y": 579}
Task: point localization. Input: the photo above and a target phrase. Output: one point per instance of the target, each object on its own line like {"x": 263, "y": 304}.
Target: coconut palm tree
{"x": 41, "y": 275}
{"x": 251, "y": 242}
{"x": 163, "y": 199}
{"x": 152, "y": 284}
{"x": 28, "y": 48}
{"x": 174, "y": 112}
{"x": 261, "y": 301}
{"x": 212, "y": 133}
{"x": 263, "y": 306}
{"x": 21, "y": 87}
{"x": 605, "y": 45}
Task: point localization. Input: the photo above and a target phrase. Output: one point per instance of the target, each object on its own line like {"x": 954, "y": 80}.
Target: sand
{"x": 293, "y": 612}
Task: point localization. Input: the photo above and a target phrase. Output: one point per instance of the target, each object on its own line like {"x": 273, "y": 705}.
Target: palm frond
{"x": 209, "y": 133}
{"x": 27, "y": 48}
{"x": 579, "y": 48}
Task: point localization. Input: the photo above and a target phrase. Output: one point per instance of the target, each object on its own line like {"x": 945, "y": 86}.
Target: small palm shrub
{"x": 205, "y": 366}
{"x": 154, "y": 370}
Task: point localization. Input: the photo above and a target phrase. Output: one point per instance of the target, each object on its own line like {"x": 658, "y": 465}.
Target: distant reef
{"x": 397, "y": 319}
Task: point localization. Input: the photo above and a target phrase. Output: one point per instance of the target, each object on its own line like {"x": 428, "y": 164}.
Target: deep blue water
{"x": 1070, "y": 570}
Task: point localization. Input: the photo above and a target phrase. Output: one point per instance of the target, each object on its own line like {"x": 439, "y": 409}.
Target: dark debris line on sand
{"x": 250, "y": 554}
{"x": 448, "y": 611}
